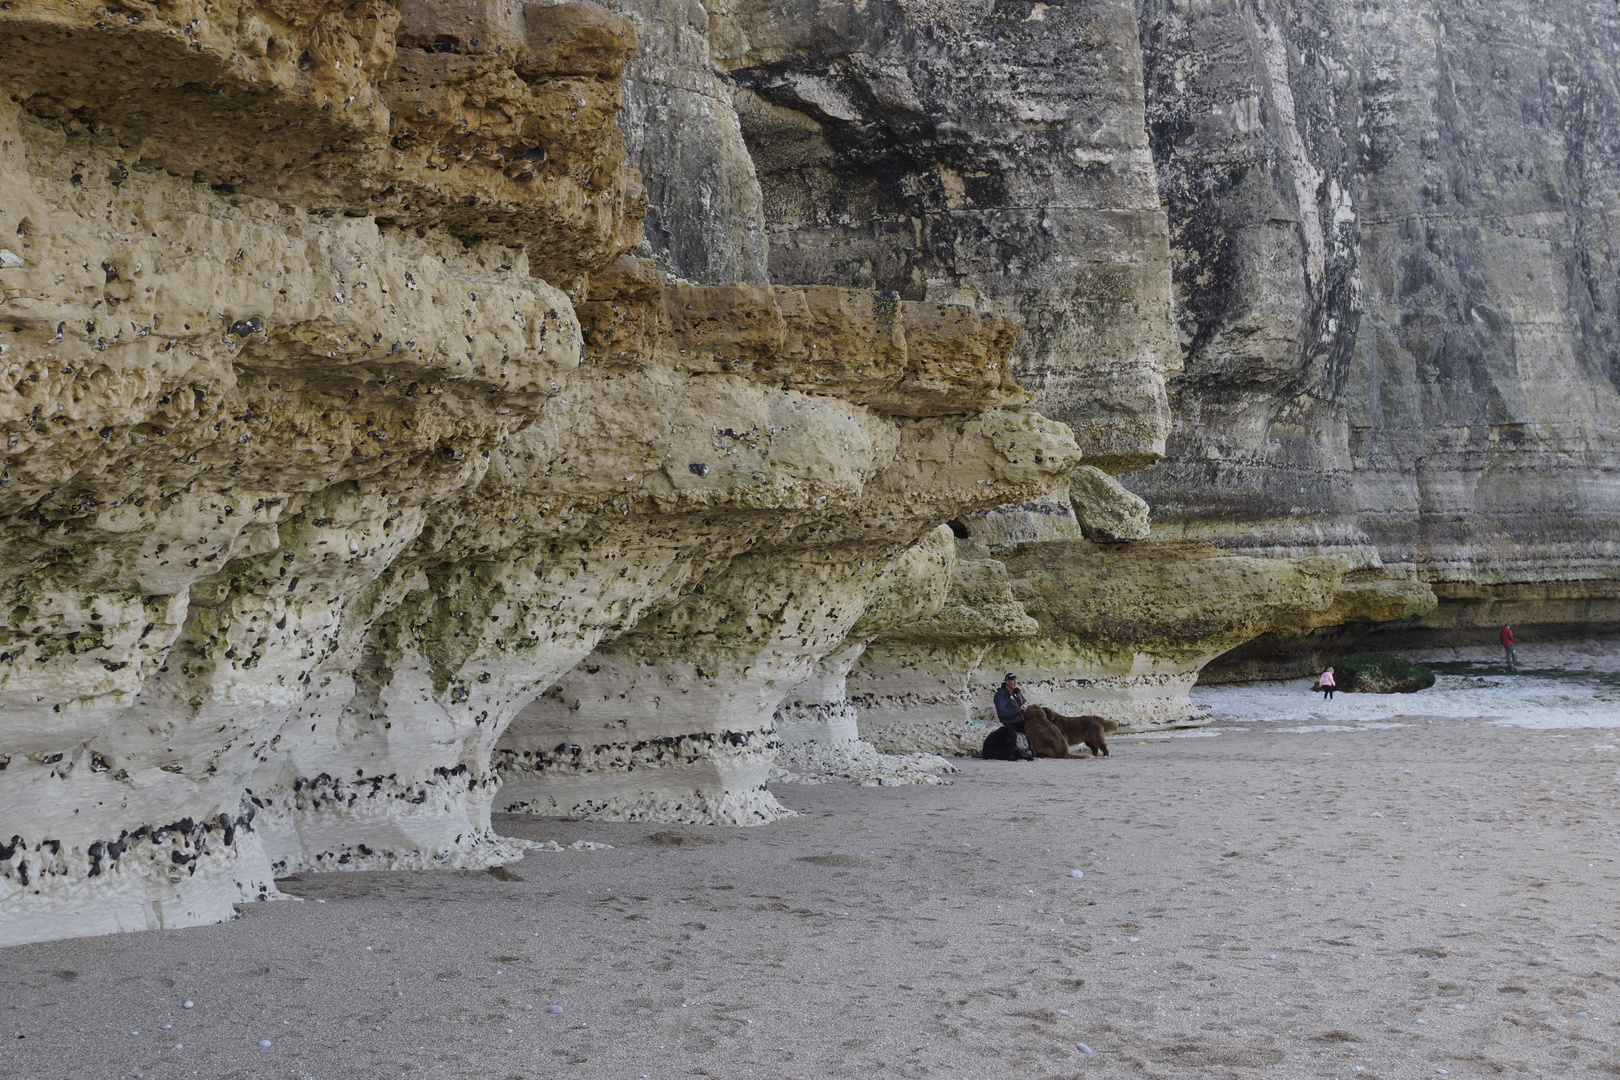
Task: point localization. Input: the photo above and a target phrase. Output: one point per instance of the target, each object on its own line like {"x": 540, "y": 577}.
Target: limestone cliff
{"x": 991, "y": 154}
{"x": 370, "y": 467}
{"x": 1306, "y": 641}
{"x": 1388, "y": 227}
{"x": 706, "y": 219}
{"x": 1392, "y": 230}
{"x": 917, "y": 686}
{"x": 339, "y": 429}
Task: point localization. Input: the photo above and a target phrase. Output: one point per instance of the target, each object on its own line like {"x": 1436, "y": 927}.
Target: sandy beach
{"x": 1303, "y": 895}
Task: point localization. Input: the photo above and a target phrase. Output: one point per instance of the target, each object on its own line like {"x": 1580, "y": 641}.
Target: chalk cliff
{"x": 1388, "y": 232}
{"x": 418, "y": 411}
{"x": 983, "y": 153}
{"x": 1392, "y": 226}
{"x": 339, "y": 428}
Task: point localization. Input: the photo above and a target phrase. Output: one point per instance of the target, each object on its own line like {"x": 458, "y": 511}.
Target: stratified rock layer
{"x": 1392, "y": 227}
{"x": 338, "y": 429}
{"x": 915, "y": 685}
{"x": 991, "y": 154}
{"x": 1125, "y": 629}
{"x": 362, "y": 452}
{"x": 1107, "y": 512}
{"x": 1309, "y": 641}
{"x": 706, "y": 217}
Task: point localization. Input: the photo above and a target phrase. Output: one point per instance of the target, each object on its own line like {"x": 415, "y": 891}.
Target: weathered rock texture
{"x": 680, "y": 717}
{"x": 338, "y": 429}
{"x": 1308, "y": 641}
{"x": 368, "y": 466}
{"x": 915, "y": 686}
{"x": 706, "y": 219}
{"x": 912, "y": 590}
{"x": 1380, "y": 673}
{"x": 998, "y": 153}
{"x": 1107, "y": 512}
{"x": 1125, "y": 629}
{"x": 1392, "y": 227}
{"x": 983, "y": 153}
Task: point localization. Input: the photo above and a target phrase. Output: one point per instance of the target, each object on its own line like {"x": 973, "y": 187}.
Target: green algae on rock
{"x": 1380, "y": 673}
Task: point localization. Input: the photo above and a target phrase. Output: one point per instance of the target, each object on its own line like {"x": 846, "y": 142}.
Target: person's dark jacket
{"x": 1010, "y": 707}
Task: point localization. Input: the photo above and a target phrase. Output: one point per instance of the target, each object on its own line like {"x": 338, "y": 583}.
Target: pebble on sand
{"x": 528, "y": 1008}
{"x": 1083, "y": 1048}
{"x": 1077, "y": 873}
{"x": 188, "y": 1005}
{"x": 555, "y": 1009}
{"x": 264, "y": 1044}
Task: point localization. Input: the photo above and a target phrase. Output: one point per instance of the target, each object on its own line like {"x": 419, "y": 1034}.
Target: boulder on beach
{"x": 1381, "y": 673}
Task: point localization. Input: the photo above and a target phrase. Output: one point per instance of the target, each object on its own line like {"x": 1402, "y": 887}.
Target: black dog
{"x": 1002, "y": 745}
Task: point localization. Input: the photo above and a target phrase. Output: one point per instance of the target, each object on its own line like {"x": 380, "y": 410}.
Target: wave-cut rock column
{"x": 673, "y": 721}
{"x": 912, "y": 588}
{"x": 914, "y": 686}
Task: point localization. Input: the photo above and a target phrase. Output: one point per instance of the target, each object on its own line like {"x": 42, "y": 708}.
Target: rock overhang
{"x": 315, "y": 503}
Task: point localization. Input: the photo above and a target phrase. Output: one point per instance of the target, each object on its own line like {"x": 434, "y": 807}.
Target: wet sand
{"x": 1371, "y": 902}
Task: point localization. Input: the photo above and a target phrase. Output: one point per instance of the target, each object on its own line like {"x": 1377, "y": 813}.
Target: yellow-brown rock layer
{"x": 1125, "y": 628}
{"x": 314, "y": 476}
{"x": 1308, "y": 643}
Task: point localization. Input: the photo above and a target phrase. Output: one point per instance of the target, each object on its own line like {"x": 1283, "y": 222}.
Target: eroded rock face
{"x": 338, "y": 430}
{"x": 1306, "y": 643}
{"x": 1117, "y": 630}
{"x": 912, "y": 589}
{"x": 991, "y": 154}
{"x": 1392, "y": 230}
{"x": 225, "y": 420}
{"x": 676, "y": 719}
{"x": 1108, "y": 513}
{"x": 915, "y": 684}
{"x": 1126, "y": 628}
{"x": 367, "y": 468}
{"x": 706, "y": 218}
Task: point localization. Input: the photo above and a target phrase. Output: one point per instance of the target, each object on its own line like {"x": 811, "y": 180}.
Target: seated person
{"x": 1010, "y": 704}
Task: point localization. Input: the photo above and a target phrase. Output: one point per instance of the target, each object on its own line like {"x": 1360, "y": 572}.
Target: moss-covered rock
{"x": 1381, "y": 673}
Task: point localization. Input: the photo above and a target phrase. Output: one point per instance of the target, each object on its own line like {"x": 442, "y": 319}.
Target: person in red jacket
{"x": 1507, "y": 648}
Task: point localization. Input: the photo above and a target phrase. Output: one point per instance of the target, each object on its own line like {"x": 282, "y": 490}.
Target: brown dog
{"x": 1088, "y": 730}
{"x": 1045, "y": 739}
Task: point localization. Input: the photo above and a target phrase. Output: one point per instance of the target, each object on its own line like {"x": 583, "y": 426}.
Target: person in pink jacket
{"x": 1326, "y": 685}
